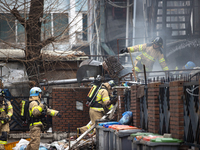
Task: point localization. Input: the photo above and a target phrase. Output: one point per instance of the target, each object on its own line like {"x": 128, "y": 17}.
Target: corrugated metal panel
{"x": 48, "y": 55}
{"x": 64, "y": 55}
{"x": 12, "y": 53}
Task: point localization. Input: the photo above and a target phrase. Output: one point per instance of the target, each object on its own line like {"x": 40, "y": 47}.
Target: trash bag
{"x": 21, "y": 145}
{"x": 126, "y": 118}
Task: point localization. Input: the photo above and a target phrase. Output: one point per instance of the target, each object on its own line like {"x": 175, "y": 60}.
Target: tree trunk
{"x": 33, "y": 33}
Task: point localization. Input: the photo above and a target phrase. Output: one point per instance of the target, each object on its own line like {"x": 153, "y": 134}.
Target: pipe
{"x": 145, "y": 75}
{"x": 127, "y": 22}
{"x": 66, "y": 81}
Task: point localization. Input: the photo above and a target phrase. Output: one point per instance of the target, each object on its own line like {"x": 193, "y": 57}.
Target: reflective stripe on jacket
{"x": 149, "y": 56}
{"x": 103, "y": 98}
{"x": 9, "y": 113}
{"x": 35, "y": 110}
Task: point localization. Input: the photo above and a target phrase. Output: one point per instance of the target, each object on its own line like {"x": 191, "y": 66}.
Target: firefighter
{"x": 150, "y": 52}
{"x": 6, "y": 111}
{"x": 99, "y": 108}
{"x": 188, "y": 65}
{"x": 36, "y": 109}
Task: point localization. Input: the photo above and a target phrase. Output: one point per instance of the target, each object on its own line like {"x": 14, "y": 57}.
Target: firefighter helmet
{"x": 35, "y": 91}
{"x": 111, "y": 83}
{"x": 190, "y": 65}
{"x": 158, "y": 41}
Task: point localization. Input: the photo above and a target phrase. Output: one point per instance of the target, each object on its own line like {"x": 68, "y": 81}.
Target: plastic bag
{"x": 126, "y": 118}
{"x": 108, "y": 123}
{"x": 21, "y": 145}
{"x": 42, "y": 148}
{"x": 56, "y": 145}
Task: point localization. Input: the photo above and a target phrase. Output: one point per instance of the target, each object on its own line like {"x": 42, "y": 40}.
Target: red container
{"x": 122, "y": 127}
{"x": 148, "y": 138}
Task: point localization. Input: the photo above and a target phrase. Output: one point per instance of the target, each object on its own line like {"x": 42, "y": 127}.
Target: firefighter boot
{"x": 3, "y": 137}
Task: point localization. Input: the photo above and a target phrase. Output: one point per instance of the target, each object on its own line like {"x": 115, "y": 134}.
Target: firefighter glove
{"x": 43, "y": 113}
{"x": 124, "y": 50}
{"x": 6, "y": 119}
{"x": 59, "y": 115}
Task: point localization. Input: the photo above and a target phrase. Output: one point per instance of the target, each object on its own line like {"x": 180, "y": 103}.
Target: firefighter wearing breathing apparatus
{"x": 36, "y": 109}
{"x": 6, "y": 111}
{"x": 98, "y": 108}
{"x": 150, "y": 52}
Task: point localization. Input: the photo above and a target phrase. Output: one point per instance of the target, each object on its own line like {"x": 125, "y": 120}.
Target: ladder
{"x": 173, "y": 18}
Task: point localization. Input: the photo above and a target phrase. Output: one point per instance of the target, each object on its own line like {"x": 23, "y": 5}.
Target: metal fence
{"x": 191, "y": 109}
{"x": 144, "y": 110}
{"x": 164, "y": 109}
{"x": 191, "y": 114}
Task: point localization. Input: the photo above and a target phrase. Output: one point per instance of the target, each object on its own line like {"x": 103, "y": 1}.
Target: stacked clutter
{"x": 57, "y": 145}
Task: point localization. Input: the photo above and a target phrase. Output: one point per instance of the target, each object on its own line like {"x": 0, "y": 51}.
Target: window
{"x": 84, "y": 27}
{"x": 20, "y": 31}
{"x": 46, "y": 27}
{"x": 7, "y": 27}
{"x": 81, "y": 5}
{"x": 53, "y": 24}
{"x": 60, "y": 23}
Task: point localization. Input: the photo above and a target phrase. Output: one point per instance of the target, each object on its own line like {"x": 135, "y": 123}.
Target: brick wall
{"x": 121, "y": 106}
{"x": 153, "y": 107}
{"x": 176, "y": 109}
{"x": 135, "y": 106}
{"x": 64, "y": 100}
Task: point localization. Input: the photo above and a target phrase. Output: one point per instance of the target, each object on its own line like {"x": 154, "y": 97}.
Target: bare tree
{"x": 29, "y": 27}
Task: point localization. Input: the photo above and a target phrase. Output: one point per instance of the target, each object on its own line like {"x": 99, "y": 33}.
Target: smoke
{"x": 179, "y": 45}
{"x": 180, "y": 52}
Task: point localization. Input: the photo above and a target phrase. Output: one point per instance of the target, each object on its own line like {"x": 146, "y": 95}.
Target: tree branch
{"x": 15, "y": 13}
{"x": 47, "y": 41}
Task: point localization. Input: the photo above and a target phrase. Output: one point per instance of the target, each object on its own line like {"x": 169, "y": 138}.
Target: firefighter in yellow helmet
{"x": 6, "y": 111}
{"x": 36, "y": 108}
{"x": 97, "y": 110}
{"x": 150, "y": 52}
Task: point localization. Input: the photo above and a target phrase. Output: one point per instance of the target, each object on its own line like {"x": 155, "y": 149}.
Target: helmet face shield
{"x": 158, "y": 41}
{"x": 111, "y": 83}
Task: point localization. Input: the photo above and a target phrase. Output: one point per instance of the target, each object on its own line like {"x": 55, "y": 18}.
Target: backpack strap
{"x": 6, "y": 105}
